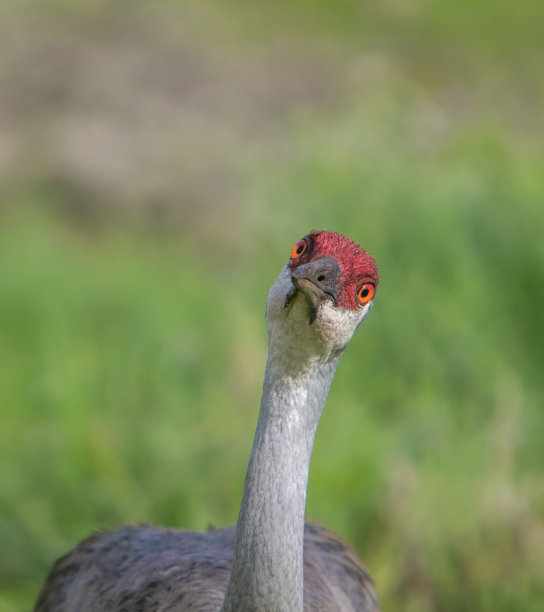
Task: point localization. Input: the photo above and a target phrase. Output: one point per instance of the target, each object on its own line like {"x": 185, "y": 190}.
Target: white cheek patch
{"x": 338, "y": 324}
{"x": 277, "y": 295}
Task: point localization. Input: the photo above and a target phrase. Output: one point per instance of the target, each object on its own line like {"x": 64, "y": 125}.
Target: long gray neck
{"x": 268, "y": 556}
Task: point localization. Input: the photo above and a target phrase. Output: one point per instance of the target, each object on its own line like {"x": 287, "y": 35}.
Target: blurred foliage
{"x": 157, "y": 161}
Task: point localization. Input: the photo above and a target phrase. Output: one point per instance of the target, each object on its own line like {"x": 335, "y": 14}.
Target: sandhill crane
{"x": 271, "y": 560}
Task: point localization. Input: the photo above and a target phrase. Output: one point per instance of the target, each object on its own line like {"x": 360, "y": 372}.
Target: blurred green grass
{"x": 132, "y": 340}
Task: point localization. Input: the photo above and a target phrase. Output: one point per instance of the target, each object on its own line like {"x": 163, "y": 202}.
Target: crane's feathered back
{"x": 147, "y": 568}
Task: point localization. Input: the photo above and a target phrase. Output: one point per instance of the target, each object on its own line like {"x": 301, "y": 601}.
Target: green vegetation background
{"x": 158, "y": 160}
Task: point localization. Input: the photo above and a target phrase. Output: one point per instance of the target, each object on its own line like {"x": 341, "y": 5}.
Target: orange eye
{"x": 299, "y": 249}
{"x": 365, "y": 293}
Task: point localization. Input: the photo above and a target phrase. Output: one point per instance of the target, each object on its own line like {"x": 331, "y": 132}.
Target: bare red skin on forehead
{"x": 357, "y": 266}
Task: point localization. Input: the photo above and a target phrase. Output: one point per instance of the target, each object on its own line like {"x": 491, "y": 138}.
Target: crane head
{"x": 323, "y": 293}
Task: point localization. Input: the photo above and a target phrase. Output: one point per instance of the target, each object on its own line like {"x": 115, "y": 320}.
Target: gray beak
{"x": 317, "y": 282}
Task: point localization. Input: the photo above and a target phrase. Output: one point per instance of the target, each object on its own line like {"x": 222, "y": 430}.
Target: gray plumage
{"x": 151, "y": 568}
{"x": 271, "y": 560}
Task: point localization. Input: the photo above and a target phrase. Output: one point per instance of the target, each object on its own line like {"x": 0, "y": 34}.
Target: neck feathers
{"x": 268, "y": 558}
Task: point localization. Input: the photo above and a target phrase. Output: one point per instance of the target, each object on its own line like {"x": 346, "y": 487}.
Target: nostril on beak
{"x": 325, "y": 271}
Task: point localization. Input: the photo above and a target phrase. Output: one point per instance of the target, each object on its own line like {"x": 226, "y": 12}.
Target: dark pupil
{"x": 300, "y": 249}
{"x": 364, "y": 292}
